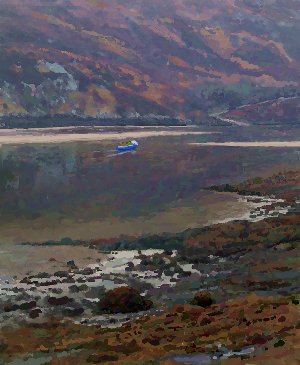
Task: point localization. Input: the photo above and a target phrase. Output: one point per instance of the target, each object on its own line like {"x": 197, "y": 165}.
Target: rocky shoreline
{"x": 207, "y": 294}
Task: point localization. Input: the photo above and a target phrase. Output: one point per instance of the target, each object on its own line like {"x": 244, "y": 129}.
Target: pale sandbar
{"x": 15, "y": 137}
{"x": 278, "y": 144}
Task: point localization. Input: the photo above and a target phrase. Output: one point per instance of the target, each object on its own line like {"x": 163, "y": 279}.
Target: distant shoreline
{"x": 48, "y": 121}
{"x": 35, "y": 136}
{"x": 92, "y": 127}
{"x": 277, "y": 144}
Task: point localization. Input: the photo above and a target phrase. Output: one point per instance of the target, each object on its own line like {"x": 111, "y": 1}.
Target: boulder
{"x": 41, "y": 275}
{"x": 87, "y": 271}
{"x": 203, "y": 299}
{"x": 47, "y": 283}
{"x": 35, "y": 313}
{"x": 26, "y": 280}
{"x": 59, "y": 300}
{"x": 27, "y": 305}
{"x": 73, "y": 312}
{"x": 71, "y": 264}
{"x": 56, "y": 290}
{"x": 78, "y": 288}
{"x": 90, "y": 303}
{"x": 61, "y": 274}
{"x": 124, "y": 300}
{"x": 130, "y": 266}
{"x": 68, "y": 280}
{"x": 9, "y": 307}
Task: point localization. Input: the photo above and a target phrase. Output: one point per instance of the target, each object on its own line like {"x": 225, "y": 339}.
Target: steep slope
{"x": 279, "y": 111}
{"x": 180, "y": 58}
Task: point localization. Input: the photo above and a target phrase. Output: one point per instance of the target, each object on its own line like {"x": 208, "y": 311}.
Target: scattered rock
{"x": 22, "y": 296}
{"x": 47, "y": 283}
{"x": 35, "y": 313}
{"x": 73, "y": 312}
{"x": 154, "y": 341}
{"x": 90, "y": 303}
{"x": 27, "y": 305}
{"x": 9, "y": 307}
{"x": 279, "y": 343}
{"x": 59, "y": 300}
{"x": 26, "y": 280}
{"x": 78, "y": 288}
{"x": 94, "y": 292}
{"x": 87, "y": 271}
{"x": 184, "y": 274}
{"x": 56, "y": 290}
{"x": 124, "y": 300}
{"x": 68, "y": 280}
{"x": 61, "y": 274}
{"x": 202, "y": 299}
{"x": 71, "y": 264}
{"x": 41, "y": 275}
{"x": 130, "y": 266}
{"x": 99, "y": 359}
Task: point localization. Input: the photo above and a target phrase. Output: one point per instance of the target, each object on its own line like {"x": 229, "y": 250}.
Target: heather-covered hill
{"x": 279, "y": 111}
{"x": 181, "y": 58}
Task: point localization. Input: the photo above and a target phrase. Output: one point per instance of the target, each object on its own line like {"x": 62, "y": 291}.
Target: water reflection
{"x": 90, "y": 181}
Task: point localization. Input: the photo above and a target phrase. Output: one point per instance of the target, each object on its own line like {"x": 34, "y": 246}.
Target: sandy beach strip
{"x": 98, "y": 127}
{"x": 278, "y": 144}
{"x": 25, "y": 137}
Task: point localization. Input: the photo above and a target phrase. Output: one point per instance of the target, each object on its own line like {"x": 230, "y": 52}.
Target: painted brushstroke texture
{"x": 180, "y": 58}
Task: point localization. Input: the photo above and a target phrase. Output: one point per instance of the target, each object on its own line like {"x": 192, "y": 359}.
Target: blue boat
{"x": 127, "y": 146}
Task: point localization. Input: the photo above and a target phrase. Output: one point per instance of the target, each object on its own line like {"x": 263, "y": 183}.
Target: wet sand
{"x": 37, "y": 136}
{"x": 281, "y": 144}
{"x": 20, "y": 260}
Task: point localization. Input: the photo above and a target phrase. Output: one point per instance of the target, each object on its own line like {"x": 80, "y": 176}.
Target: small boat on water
{"x": 127, "y": 146}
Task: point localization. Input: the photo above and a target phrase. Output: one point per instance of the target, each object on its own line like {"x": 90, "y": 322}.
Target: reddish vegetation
{"x": 284, "y": 185}
{"x": 266, "y": 322}
{"x": 272, "y": 112}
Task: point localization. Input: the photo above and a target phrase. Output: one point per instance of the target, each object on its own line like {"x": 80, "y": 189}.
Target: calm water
{"x": 82, "y": 190}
